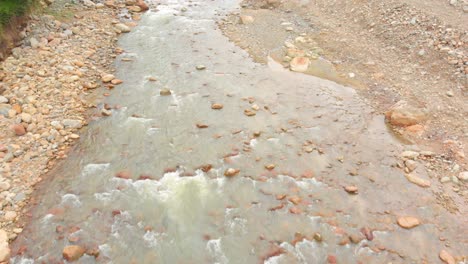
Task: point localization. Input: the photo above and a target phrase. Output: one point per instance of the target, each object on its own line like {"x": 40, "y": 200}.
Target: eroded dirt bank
{"x": 50, "y": 87}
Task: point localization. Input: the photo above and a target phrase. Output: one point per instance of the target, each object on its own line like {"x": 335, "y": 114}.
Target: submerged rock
{"x": 299, "y": 64}
{"x": 408, "y": 222}
{"x": 73, "y": 253}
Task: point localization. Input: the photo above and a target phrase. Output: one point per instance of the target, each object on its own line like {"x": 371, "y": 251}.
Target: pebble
{"x": 351, "y": 189}
{"x": 446, "y": 257}
{"x": 122, "y": 28}
{"x": 231, "y": 172}
{"x": 410, "y": 154}
{"x": 3, "y": 100}
{"x": 19, "y": 129}
{"x": 417, "y": 180}
{"x": 73, "y": 252}
{"x": 408, "y": 222}
{"x": 270, "y": 166}
{"x": 10, "y": 215}
{"x": 72, "y": 123}
{"x": 249, "y": 112}
{"x": 217, "y": 106}
{"x": 165, "y": 92}
{"x": 445, "y": 179}
{"x": 200, "y": 67}
{"x": 107, "y": 78}
{"x": 463, "y": 176}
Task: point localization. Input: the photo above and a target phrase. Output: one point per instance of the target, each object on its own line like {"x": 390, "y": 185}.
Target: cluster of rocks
{"x": 46, "y": 88}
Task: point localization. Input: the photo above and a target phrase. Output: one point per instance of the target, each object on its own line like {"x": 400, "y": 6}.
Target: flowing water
{"x": 173, "y": 209}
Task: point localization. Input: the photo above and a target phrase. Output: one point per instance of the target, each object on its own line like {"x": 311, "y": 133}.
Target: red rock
{"x": 73, "y": 253}
{"x": 367, "y": 233}
{"x": 331, "y": 259}
{"x": 19, "y": 129}
{"x": 123, "y": 175}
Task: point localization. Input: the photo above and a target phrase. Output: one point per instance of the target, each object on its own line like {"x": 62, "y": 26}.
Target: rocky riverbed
{"x": 50, "y": 87}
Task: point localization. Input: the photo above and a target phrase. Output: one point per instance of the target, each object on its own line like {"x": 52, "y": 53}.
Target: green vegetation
{"x": 12, "y": 8}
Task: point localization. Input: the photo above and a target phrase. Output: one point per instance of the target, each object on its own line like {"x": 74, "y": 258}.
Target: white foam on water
{"x": 22, "y": 260}
{"x": 152, "y": 131}
{"x": 47, "y": 218}
{"x": 150, "y": 239}
{"x": 70, "y": 200}
{"x": 274, "y": 140}
{"x": 105, "y": 250}
{"x": 215, "y": 250}
{"x": 274, "y": 260}
{"x": 94, "y": 169}
{"x": 253, "y": 142}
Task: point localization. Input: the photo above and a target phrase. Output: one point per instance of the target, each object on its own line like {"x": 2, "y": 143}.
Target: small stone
{"x": 73, "y": 253}
{"x": 351, "y": 189}
{"x": 318, "y": 237}
{"x": 199, "y": 125}
{"x": 152, "y": 79}
{"x": 445, "y": 179}
{"x": 19, "y": 129}
{"x": 295, "y": 199}
{"x": 165, "y": 92}
{"x": 446, "y": 257}
{"x": 106, "y": 112}
{"x": 122, "y": 28}
{"x": 231, "y": 172}
{"x": 299, "y": 64}
{"x": 246, "y": 19}
{"x": 270, "y": 166}
{"x": 463, "y": 176}
{"x": 216, "y": 106}
{"x": 3, "y": 100}
{"x": 72, "y": 123}
{"x": 9, "y": 215}
{"x": 25, "y": 117}
{"x": 295, "y": 210}
{"x": 411, "y": 165}
{"x": 249, "y": 112}
{"x": 200, "y": 67}
{"x": 107, "y": 78}
{"x": 116, "y": 81}
{"x": 417, "y": 180}
{"x": 408, "y": 222}
{"x": 449, "y": 93}
{"x": 257, "y": 133}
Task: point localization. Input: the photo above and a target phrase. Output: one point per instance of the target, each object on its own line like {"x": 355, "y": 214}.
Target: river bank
{"x": 51, "y": 86}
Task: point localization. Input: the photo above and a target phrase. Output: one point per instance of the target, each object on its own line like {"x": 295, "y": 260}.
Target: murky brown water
{"x": 314, "y": 131}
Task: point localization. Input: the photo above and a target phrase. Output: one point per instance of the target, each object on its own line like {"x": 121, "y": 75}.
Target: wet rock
{"x": 355, "y": 238}
{"x": 142, "y": 5}
{"x": 123, "y": 175}
{"x": 249, "y": 112}
{"x": 122, "y": 28}
{"x": 200, "y": 67}
{"x": 299, "y": 64}
{"x": 408, "y": 222}
{"x": 217, "y": 106}
{"x": 244, "y": 19}
{"x": 72, "y": 123}
{"x": 351, "y": 189}
{"x": 19, "y": 129}
{"x": 231, "y": 172}
{"x": 200, "y": 125}
{"x": 107, "y": 78}
{"x": 418, "y": 180}
{"x": 295, "y": 199}
{"x": 165, "y": 92}
{"x": 106, "y": 112}
{"x": 367, "y": 232}
{"x": 270, "y": 166}
{"x": 116, "y": 81}
{"x": 446, "y": 257}
{"x": 318, "y": 237}
{"x": 404, "y": 114}
{"x": 73, "y": 253}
